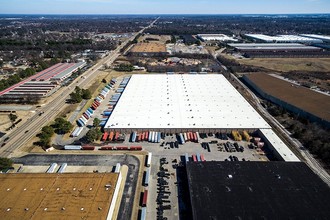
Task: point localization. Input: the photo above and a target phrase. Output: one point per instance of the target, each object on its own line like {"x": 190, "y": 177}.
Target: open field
{"x": 298, "y": 96}
{"x": 161, "y": 38}
{"x": 290, "y": 64}
{"x": 56, "y": 196}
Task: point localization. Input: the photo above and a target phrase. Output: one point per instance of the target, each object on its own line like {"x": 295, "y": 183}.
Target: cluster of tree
{"x": 312, "y": 135}
{"x": 16, "y": 78}
{"x": 5, "y": 163}
{"x": 60, "y": 126}
{"x": 95, "y": 133}
{"x": 236, "y": 24}
{"x": 79, "y": 94}
{"x": 27, "y": 99}
{"x": 124, "y": 67}
{"x": 45, "y": 136}
{"x": 236, "y": 67}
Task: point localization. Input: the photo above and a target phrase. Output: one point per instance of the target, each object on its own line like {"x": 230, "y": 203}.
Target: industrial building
{"x": 148, "y": 49}
{"x": 215, "y": 37}
{"x": 324, "y": 38}
{"x": 283, "y": 39}
{"x": 182, "y": 49}
{"x": 43, "y": 83}
{"x": 315, "y": 106}
{"x": 256, "y": 190}
{"x": 58, "y": 196}
{"x": 275, "y": 49}
{"x": 177, "y": 103}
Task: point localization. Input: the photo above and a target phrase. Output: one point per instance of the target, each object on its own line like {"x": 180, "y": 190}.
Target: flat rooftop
{"x": 273, "y": 46}
{"x": 281, "y": 148}
{"x": 313, "y": 102}
{"x": 284, "y": 38}
{"x": 154, "y": 101}
{"x": 148, "y": 48}
{"x": 257, "y": 190}
{"x": 56, "y": 196}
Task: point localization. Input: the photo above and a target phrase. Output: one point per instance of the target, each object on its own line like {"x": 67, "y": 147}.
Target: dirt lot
{"x": 290, "y": 64}
{"x": 301, "y": 97}
{"x": 161, "y": 38}
{"x": 56, "y": 196}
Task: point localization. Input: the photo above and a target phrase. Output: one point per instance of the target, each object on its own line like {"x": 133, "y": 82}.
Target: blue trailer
{"x": 80, "y": 123}
{"x": 158, "y": 137}
{"x": 181, "y": 138}
{"x": 199, "y": 157}
{"x": 133, "y": 139}
{"x": 90, "y": 110}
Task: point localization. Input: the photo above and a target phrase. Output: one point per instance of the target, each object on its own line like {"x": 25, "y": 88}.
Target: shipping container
{"x": 80, "y": 123}
{"x": 52, "y": 168}
{"x": 187, "y": 157}
{"x": 194, "y": 158}
{"x": 145, "y": 198}
{"x": 135, "y": 148}
{"x": 133, "y": 136}
{"x": 185, "y": 137}
{"x": 72, "y": 147}
{"x": 188, "y": 136}
{"x": 88, "y": 148}
{"x": 85, "y": 115}
{"x": 198, "y": 157}
{"x": 181, "y": 138}
{"x": 62, "y": 168}
{"x": 150, "y": 136}
{"x": 122, "y": 148}
{"x": 158, "y": 137}
{"x": 149, "y": 159}
{"x": 111, "y": 136}
{"x": 146, "y": 177}
{"x": 107, "y": 148}
{"x": 198, "y": 137}
{"x": 105, "y": 136}
{"x": 116, "y": 136}
{"x": 143, "y": 213}
{"x": 90, "y": 110}
{"x": 202, "y": 157}
{"x": 195, "y": 137}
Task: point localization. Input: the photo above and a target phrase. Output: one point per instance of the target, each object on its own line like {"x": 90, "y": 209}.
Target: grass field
{"x": 290, "y": 64}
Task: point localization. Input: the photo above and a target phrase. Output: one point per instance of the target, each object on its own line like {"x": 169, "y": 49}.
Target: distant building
{"x": 215, "y": 37}
{"x": 283, "y": 39}
{"x": 43, "y": 83}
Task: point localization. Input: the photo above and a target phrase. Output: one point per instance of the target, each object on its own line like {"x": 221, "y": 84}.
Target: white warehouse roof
{"x": 215, "y": 37}
{"x": 284, "y": 38}
{"x": 279, "y": 146}
{"x": 316, "y": 36}
{"x": 183, "y": 101}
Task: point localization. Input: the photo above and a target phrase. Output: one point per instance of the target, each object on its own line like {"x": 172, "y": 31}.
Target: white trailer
{"x": 149, "y": 159}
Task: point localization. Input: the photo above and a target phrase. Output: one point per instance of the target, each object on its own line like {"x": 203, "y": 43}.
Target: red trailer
{"x": 116, "y": 136}
{"x": 202, "y": 157}
{"x": 106, "y": 148}
{"x": 145, "y": 198}
{"x": 139, "y": 137}
{"x": 146, "y": 137}
{"x": 195, "y": 137}
{"x": 122, "y": 148}
{"x": 88, "y": 148}
{"x": 189, "y": 136}
{"x": 137, "y": 148}
{"x": 194, "y": 158}
{"x": 97, "y": 102}
{"x": 86, "y": 116}
{"x": 111, "y": 136}
{"x": 101, "y": 96}
{"x": 105, "y": 136}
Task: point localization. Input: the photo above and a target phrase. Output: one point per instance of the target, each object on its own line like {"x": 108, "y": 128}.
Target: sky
{"x": 163, "y": 6}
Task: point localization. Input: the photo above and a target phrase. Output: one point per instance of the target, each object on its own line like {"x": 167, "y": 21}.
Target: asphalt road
{"x": 133, "y": 163}
{"x": 30, "y": 129}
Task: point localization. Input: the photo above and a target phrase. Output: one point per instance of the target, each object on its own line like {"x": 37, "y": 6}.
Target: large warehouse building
{"x": 256, "y": 190}
{"x": 315, "y": 106}
{"x": 58, "y": 196}
{"x": 283, "y": 39}
{"x": 177, "y": 103}
{"x": 216, "y": 37}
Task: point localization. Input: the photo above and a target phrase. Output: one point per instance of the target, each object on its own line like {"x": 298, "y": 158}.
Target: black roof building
{"x": 256, "y": 190}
